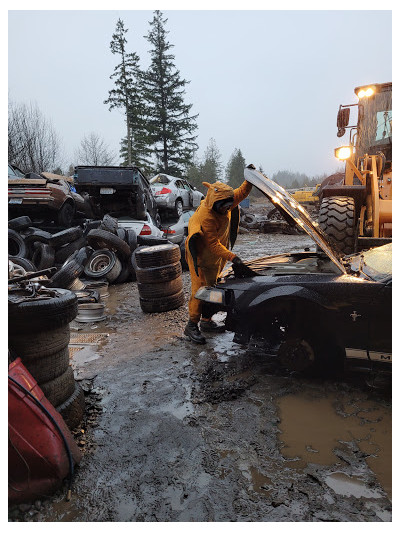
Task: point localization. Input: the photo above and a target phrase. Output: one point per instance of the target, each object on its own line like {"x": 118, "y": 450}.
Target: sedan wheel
{"x": 178, "y": 208}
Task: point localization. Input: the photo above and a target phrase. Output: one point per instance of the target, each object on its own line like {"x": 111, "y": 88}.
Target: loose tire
{"x": 20, "y": 223}
{"x": 99, "y": 239}
{"x": 66, "y": 275}
{"x": 59, "y": 389}
{"x": 37, "y": 314}
{"x": 73, "y": 409}
{"x": 24, "y": 263}
{"x": 160, "y": 290}
{"x": 109, "y": 224}
{"x": 48, "y": 368}
{"x": 43, "y": 256}
{"x": 63, "y": 253}
{"x": 16, "y": 244}
{"x": 160, "y": 305}
{"x": 156, "y": 256}
{"x": 65, "y": 237}
{"x": 37, "y": 344}
{"x": 103, "y": 264}
{"x": 337, "y": 219}
{"x": 158, "y": 274}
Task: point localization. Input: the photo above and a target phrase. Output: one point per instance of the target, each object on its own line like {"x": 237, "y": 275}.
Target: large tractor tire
{"x": 338, "y": 220}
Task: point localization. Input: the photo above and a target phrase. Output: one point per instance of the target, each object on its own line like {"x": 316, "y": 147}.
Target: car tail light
{"x": 164, "y": 190}
{"x": 169, "y": 231}
{"x": 146, "y": 230}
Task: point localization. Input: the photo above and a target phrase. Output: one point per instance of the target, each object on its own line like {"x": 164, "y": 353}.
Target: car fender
{"x": 290, "y": 292}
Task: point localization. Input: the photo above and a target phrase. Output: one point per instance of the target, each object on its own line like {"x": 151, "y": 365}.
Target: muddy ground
{"x": 182, "y": 432}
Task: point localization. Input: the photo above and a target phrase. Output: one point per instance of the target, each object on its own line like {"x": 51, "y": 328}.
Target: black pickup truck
{"x": 117, "y": 191}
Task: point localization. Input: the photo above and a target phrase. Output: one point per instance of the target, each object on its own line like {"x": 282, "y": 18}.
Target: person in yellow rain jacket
{"x": 212, "y": 228}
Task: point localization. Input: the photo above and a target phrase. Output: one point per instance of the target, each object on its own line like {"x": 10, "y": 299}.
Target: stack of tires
{"x": 39, "y": 334}
{"x": 159, "y": 277}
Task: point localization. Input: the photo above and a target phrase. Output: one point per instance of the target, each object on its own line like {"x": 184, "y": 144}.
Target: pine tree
{"x": 170, "y": 127}
{"x": 235, "y": 169}
{"x": 211, "y": 168}
{"x": 127, "y": 96}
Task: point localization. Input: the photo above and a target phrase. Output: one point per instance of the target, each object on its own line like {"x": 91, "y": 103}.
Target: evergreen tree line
{"x": 160, "y": 130}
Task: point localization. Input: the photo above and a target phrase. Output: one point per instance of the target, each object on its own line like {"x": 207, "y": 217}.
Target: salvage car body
{"x": 49, "y": 195}
{"x": 309, "y": 308}
{"x": 117, "y": 191}
{"x": 174, "y": 194}
{"x": 176, "y": 230}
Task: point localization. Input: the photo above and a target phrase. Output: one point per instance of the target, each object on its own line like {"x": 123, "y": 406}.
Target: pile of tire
{"x": 38, "y": 333}
{"x": 99, "y": 251}
{"x": 159, "y": 277}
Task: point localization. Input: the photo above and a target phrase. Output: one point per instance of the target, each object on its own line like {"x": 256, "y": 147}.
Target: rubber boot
{"x": 193, "y": 332}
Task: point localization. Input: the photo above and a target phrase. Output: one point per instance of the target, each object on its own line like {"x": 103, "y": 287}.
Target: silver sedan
{"x": 174, "y": 194}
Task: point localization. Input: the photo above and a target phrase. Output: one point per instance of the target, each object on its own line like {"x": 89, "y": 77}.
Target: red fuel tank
{"x": 38, "y": 459}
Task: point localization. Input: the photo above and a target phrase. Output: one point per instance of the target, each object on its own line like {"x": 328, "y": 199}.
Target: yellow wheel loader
{"x": 357, "y": 214}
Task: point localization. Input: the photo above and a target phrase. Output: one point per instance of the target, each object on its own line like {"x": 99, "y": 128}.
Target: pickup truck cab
{"x": 117, "y": 191}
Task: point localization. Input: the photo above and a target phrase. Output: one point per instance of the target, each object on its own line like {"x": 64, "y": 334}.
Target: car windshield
{"x": 377, "y": 263}
{"x": 160, "y": 178}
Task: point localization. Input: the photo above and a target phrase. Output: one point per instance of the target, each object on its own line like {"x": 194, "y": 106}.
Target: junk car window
{"x": 377, "y": 262}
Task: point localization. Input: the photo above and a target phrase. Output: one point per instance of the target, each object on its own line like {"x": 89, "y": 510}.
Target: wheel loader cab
{"x": 357, "y": 214}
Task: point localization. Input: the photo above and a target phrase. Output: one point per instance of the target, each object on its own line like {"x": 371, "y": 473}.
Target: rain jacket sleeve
{"x": 241, "y": 193}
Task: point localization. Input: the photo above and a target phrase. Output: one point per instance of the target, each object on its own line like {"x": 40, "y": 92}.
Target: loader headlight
{"x": 344, "y": 152}
{"x": 211, "y": 295}
{"x": 366, "y": 92}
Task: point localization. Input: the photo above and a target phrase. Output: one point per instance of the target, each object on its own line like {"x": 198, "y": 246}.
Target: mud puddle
{"x": 323, "y": 430}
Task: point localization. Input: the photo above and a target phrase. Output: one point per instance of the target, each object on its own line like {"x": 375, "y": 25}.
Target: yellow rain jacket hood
{"x": 210, "y": 234}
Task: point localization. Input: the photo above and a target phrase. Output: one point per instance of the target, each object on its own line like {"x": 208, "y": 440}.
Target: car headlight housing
{"x": 211, "y": 295}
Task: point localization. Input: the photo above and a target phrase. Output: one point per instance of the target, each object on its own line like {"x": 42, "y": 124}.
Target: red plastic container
{"x": 37, "y": 456}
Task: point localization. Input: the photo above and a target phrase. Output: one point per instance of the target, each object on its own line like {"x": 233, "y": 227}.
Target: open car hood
{"x": 291, "y": 209}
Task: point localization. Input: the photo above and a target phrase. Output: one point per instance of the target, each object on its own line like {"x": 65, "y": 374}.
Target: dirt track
{"x": 215, "y": 433}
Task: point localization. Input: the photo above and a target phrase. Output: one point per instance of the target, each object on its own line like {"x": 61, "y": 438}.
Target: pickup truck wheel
{"x": 178, "y": 207}
{"x": 66, "y": 214}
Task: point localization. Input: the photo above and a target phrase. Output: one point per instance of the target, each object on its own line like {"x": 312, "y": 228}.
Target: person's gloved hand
{"x": 239, "y": 268}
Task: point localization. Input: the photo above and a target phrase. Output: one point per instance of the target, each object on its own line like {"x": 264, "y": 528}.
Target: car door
{"x": 183, "y": 193}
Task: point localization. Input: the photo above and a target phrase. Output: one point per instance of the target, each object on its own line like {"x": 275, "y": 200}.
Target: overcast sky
{"x": 267, "y": 82}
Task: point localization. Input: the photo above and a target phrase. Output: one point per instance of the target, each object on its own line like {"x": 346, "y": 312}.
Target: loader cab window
{"x": 375, "y": 124}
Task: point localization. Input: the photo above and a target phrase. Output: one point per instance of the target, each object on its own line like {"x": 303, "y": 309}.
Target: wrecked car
{"x": 117, "y": 191}
{"x": 44, "y": 195}
{"x": 174, "y": 195}
{"x": 313, "y": 308}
